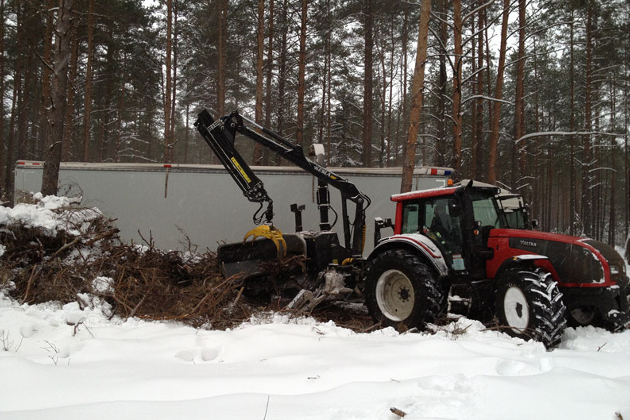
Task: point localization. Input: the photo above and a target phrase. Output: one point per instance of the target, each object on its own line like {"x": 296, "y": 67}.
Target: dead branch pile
{"x": 149, "y": 283}
{"x": 40, "y": 261}
{"x": 82, "y": 257}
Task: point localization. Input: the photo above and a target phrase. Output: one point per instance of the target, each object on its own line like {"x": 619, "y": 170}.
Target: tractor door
{"x": 438, "y": 219}
{"x": 481, "y": 214}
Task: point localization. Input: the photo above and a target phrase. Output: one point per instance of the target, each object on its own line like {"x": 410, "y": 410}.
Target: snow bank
{"x": 74, "y": 363}
{"x": 48, "y": 215}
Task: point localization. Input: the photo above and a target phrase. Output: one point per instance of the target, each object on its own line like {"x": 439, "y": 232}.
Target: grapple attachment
{"x": 269, "y": 232}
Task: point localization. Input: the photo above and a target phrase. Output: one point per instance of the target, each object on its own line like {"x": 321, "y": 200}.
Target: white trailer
{"x": 172, "y": 203}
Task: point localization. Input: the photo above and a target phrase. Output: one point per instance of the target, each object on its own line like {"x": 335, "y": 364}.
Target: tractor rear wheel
{"x": 401, "y": 290}
{"x": 529, "y": 305}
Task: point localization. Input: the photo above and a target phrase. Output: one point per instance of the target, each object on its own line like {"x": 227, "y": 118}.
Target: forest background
{"x": 529, "y": 94}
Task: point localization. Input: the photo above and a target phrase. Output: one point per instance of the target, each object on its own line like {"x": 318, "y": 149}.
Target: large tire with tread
{"x": 529, "y": 305}
{"x": 402, "y": 291}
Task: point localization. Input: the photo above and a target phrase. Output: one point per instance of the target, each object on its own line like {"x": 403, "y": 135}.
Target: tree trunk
{"x": 121, "y": 112}
{"x": 46, "y": 72}
{"x": 417, "y": 97}
{"x": 88, "y": 84}
{"x": 22, "y": 117}
{"x": 110, "y": 89}
{"x": 367, "y": 85}
{"x": 488, "y": 72}
{"x": 329, "y": 79}
{"x": 473, "y": 104}
{"x": 494, "y": 135}
{"x": 186, "y": 136}
{"x": 612, "y": 222}
{"x": 66, "y": 147}
{"x": 57, "y": 104}
{"x": 586, "y": 156}
{"x": 259, "y": 75}
{"x": 383, "y": 94}
{"x": 17, "y": 82}
{"x": 25, "y": 147}
{"x": 477, "y": 169}
{"x": 626, "y": 169}
{"x": 442, "y": 80}
{"x": 572, "y": 182}
{"x": 302, "y": 75}
{"x": 167, "y": 91}
{"x": 174, "y": 82}
{"x": 221, "y": 50}
{"x": 322, "y": 110}
{"x": 404, "y": 41}
{"x": 3, "y": 160}
{"x": 268, "y": 78}
{"x": 457, "y": 86}
{"x": 391, "y": 91}
{"x": 519, "y": 106}
{"x": 535, "y": 202}
{"x": 282, "y": 72}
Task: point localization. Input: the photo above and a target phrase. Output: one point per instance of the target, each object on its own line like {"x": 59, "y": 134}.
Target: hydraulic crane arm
{"x": 220, "y": 137}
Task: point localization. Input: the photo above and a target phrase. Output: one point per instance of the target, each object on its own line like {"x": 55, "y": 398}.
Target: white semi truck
{"x": 172, "y": 203}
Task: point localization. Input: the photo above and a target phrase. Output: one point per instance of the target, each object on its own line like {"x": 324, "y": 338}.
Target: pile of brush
{"x": 52, "y": 250}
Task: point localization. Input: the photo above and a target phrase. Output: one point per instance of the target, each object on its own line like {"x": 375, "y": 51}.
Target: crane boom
{"x": 220, "y": 136}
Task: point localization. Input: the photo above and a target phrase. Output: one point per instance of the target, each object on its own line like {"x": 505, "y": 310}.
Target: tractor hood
{"x": 577, "y": 261}
{"x": 535, "y": 235}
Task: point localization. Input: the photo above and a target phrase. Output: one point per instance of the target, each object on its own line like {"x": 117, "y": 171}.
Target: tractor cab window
{"x": 514, "y": 211}
{"x": 444, "y": 229}
{"x": 439, "y": 221}
{"x": 411, "y": 218}
{"x": 434, "y": 219}
{"x": 485, "y": 211}
{"x": 515, "y": 218}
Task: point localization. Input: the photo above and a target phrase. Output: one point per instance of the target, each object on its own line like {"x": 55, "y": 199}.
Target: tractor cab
{"x": 457, "y": 220}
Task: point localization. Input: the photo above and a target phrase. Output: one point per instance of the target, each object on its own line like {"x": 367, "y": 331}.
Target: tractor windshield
{"x": 515, "y": 218}
{"x": 486, "y": 210}
{"x": 514, "y": 210}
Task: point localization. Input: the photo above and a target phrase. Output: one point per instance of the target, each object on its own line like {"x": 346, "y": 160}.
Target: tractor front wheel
{"x": 401, "y": 290}
{"x": 529, "y": 305}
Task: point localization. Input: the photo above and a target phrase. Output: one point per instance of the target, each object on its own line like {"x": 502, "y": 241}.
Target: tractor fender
{"x": 524, "y": 260}
{"x": 417, "y": 243}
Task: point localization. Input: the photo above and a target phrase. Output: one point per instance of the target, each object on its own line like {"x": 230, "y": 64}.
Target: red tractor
{"x": 452, "y": 250}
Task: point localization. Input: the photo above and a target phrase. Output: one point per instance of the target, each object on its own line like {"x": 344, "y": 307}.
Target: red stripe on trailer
{"x": 167, "y": 166}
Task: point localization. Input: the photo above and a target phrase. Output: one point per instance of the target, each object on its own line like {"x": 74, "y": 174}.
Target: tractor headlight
{"x": 614, "y": 270}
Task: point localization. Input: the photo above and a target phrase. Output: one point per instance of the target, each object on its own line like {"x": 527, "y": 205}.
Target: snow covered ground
{"x": 71, "y": 363}
{"x": 67, "y": 363}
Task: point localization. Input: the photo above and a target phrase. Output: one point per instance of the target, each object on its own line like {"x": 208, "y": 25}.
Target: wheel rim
{"x": 516, "y": 309}
{"x": 395, "y": 295}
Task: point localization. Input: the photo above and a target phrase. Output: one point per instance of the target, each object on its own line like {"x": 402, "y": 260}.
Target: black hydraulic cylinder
{"x": 323, "y": 204}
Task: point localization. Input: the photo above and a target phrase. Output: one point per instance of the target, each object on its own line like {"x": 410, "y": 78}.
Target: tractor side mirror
{"x": 379, "y": 224}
